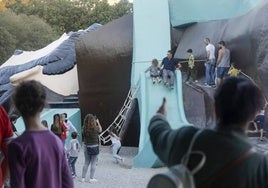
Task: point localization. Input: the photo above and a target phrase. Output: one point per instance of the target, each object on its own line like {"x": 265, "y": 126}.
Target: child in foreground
{"x": 37, "y": 157}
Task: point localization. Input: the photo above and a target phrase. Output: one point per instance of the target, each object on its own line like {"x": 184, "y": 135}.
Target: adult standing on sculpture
{"x": 223, "y": 62}
{"x": 210, "y": 63}
{"x": 170, "y": 64}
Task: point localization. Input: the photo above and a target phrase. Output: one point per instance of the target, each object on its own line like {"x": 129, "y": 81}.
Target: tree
{"x": 122, "y": 8}
{"x": 69, "y": 15}
{"x": 7, "y": 44}
{"x": 23, "y": 32}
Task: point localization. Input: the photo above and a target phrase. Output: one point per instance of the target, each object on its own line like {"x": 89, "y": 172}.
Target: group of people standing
{"x": 218, "y": 69}
{"x": 38, "y": 157}
{"x": 61, "y": 126}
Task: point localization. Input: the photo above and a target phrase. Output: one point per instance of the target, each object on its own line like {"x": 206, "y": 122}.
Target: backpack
{"x": 179, "y": 176}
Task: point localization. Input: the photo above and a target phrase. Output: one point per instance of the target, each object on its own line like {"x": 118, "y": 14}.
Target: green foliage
{"x": 22, "y": 32}
{"x": 67, "y": 15}
{"x": 23, "y": 28}
{"x": 121, "y": 8}
{"x": 7, "y": 44}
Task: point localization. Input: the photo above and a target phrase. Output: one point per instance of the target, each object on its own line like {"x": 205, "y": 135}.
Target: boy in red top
{"x": 6, "y": 135}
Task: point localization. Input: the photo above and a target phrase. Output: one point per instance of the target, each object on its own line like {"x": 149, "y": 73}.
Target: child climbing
{"x": 233, "y": 71}
{"x": 154, "y": 71}
{"x": 116, "y": 144}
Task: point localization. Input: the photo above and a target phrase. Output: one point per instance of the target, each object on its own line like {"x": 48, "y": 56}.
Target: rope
{"x": 121, "y": 117}
{"x": 198, "y": 60}
{"x": 186, "y": 61}
{"x": 247, "y": 76}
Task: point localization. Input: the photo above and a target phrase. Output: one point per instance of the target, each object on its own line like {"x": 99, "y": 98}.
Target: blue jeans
{"x": 222, "y": 72}
{"x": 116, "y": 147}
{"x": 89, "y": 159}
{"x": 168, "y": 77}
{"x": 210, "y": 68}
{"x": 72, "y": 161}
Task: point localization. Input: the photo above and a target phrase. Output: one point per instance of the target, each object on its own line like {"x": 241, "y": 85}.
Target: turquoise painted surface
{"x": 151, "y": 39}
{"x": 150, "y": 98}
{"x": 73, "y": 115}
{"x": 189, "y": 11}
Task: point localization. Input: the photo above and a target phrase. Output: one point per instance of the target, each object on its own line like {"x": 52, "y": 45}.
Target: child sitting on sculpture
{"x": 154, "y": 71}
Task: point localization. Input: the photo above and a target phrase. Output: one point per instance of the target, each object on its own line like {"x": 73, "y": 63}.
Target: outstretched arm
{"x": 98, "y": 124}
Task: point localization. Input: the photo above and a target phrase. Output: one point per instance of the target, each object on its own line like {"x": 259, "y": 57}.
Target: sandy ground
{"x": 112, "y": 175}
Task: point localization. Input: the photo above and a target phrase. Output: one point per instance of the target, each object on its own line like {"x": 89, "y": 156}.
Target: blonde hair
{"x": 155, "y": 62}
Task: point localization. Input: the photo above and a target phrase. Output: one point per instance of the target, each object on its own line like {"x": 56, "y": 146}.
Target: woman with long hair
{"x": 59, "y": 128}
{"x": 56, "y": 126}
{"x": 91, "y": 130}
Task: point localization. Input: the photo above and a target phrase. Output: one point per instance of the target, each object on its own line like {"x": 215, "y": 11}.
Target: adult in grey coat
{"x": 228, "y": 160}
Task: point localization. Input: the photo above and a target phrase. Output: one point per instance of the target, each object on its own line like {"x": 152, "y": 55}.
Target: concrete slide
{"x": 152, "y": 40}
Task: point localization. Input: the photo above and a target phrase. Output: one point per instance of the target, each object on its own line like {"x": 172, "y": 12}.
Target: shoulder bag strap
{"x": 186, "y": 157}
{"x": 229, "y": 166}
{"x": 189, "y": 152}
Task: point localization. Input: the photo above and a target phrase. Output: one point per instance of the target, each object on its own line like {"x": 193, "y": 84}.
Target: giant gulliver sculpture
{"x": 104, "y": 60}
{"x": 98, "y": 54}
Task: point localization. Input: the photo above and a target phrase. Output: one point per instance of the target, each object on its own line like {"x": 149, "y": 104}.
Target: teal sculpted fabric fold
{"x": 190, "y": 11}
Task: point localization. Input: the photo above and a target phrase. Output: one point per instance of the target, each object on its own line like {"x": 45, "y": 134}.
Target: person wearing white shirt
{"x": 210, "y": 63}
{"x": 68, "y": 123}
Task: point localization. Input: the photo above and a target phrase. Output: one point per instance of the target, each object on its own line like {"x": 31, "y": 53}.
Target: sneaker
{"x": 83, "y": 180}
{"x": 167, "y": 85}
{"x": 196, "y": 81}
{"x": 93, "y": 180}
{"x": 159, "y": 80}
{"x": 172, "y": 87}
{"x": 154, "y": 80}
{"x": 207, "y": 85}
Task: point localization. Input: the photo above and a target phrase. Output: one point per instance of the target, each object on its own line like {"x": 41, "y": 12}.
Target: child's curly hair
{"x": 155, "y": 62}
{"x": 29, "y": 98}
